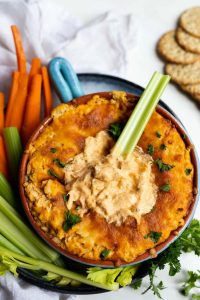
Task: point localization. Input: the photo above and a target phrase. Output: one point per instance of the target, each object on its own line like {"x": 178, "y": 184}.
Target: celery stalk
{"x": 9, "y": 257}
{"x": 18, "y": 238}
{"x": 7, "y": 244}
{"x": 15, "y": 218}
{"x": 6, "y": 190}
{"x": 13, "y": 149}
{"x": 141, "y": 115}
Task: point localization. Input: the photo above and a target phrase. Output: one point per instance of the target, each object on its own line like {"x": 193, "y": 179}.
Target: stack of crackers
{"x": 180, "y": 49}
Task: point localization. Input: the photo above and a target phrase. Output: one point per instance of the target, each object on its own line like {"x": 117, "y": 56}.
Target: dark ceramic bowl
{"x": 145, "y": 256}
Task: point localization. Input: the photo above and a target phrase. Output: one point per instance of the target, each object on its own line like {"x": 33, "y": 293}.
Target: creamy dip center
{"x": 114, "y": 187}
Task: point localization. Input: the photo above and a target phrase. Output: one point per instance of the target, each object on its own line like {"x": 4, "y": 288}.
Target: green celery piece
{"x": 126, "y": 275}
{"x": 75, "y": 283}
{"x": 35, "y": 264}
{"x": 105, "y": 276}
{"x": 7, "y": 244}
{"x": 19, "y": 239}
{"x": 14, "y": 217}
{"x": 141, "y": 115}
{"x": 3, "y": 269}
{"x": 64, "y": 281}
{"x": 52, "y": 277}
{"x": 6, "y": 190}
{"x": 13, "y": 149}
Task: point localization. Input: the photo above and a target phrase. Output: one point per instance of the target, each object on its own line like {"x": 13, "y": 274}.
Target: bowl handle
{"x": 64, "y": 79}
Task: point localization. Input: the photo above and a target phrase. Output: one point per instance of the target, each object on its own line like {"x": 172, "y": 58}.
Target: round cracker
{"x": 188, "y": 41}
{"x": 190, "y": 21}
{"x": 170, "y": 50}
{"x": 196, "y": 97}
{"x": 191, "y": 88}
{"x": 184, "y": 74}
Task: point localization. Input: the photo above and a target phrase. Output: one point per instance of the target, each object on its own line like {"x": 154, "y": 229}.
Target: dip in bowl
{"x": 100, "y": 209}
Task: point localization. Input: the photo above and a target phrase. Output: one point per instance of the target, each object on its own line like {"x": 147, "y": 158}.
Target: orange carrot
{"x": 48, "y": 101}
{"x": 1, "y": 112}
{"x": 3, "y": 159}
{"x": 11, "y": 101}
{"x": 35, "y": 68}
{"x": 17, "y": 111}
{"x": 32, "y": 110}
{"x": 21, "y": 58}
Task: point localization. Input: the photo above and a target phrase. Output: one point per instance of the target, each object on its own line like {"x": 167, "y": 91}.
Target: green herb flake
{"x": 59, "y": 163}
{"x": 153, "y": 208}
{"x": 184, "y": 136}
{"x": 71, "y": 220}
{"x": 158, "y": 134}
{"x": 150, "y": 149}
{"x": 53, "y": 150}
{"x": 115, "y": 130}
{"x": 188, "y": 171}
{"x": 137, "y": 284}
{"x": 165, "y": 187}
{"x": 66, "y": 197}
{"x": 104, "y": 253}
{"x": 154, "y": 236}
{"x": 162, "y": 166}
{"x": 51, "y": 172}
{"x": 192, "y": 282}
{"x": 78, "y": 207}
{"x": 163, "y": 147}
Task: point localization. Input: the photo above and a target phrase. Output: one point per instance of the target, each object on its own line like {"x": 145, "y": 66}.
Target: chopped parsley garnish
{"x": 66, "y": 197}
{"x": 162, "y": 166}
{"x": 153, "y": 208}
{"x": 104, "y": 253}
{"x": 59, "y": 163}
{"x": 150, "y": 149}
{"x": 52, "y": 173}
{"x": 163, "y": 147}
{"x": 188, "y": 171}
{"x": 71, "y": 220}
{"x": 136, "y": 284}
{"x": 154, "y": 236}
{"x": 78, "y": 207}
{"x": 115, "y": 129}
{"x": 165, "y": 187}
{"x": 53, "y": 150}
{"x": 158, "y": 134}
{"x": 184, "y": 136}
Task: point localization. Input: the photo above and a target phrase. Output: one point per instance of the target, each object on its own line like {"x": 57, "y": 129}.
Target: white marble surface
{"x": 155, "y": 17}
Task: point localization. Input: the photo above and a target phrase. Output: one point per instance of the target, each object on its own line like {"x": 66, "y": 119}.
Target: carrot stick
{"x": 11, "y": 101}
{"x": 3, "y": 159}
{"x": 48, "y": 101}
{"x": 35, "y": 68}
{"x": 21, "y": 58}
{"x": 1, "y": 112}
{"x": 32, "y": 110}
{"x": 17, "y": 112}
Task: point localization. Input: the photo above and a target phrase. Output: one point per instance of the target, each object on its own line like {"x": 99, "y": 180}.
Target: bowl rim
{"x": 146, "y": 255}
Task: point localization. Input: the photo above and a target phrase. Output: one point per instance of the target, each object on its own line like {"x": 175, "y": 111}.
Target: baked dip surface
{"x": 95, "y": 205}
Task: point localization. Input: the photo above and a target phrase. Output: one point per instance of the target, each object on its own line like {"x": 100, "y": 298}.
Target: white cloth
{"x": 103, "y": 45}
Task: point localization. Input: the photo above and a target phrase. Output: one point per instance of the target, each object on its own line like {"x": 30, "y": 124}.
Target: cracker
{"x": 191, "y": 88}
{"x": 196, "y": 97}
{"x": 184, "y": 74}
{"x": 187, "y": 41}
{"x": 170, "y": 50}
{"x": 190, "y": 21}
